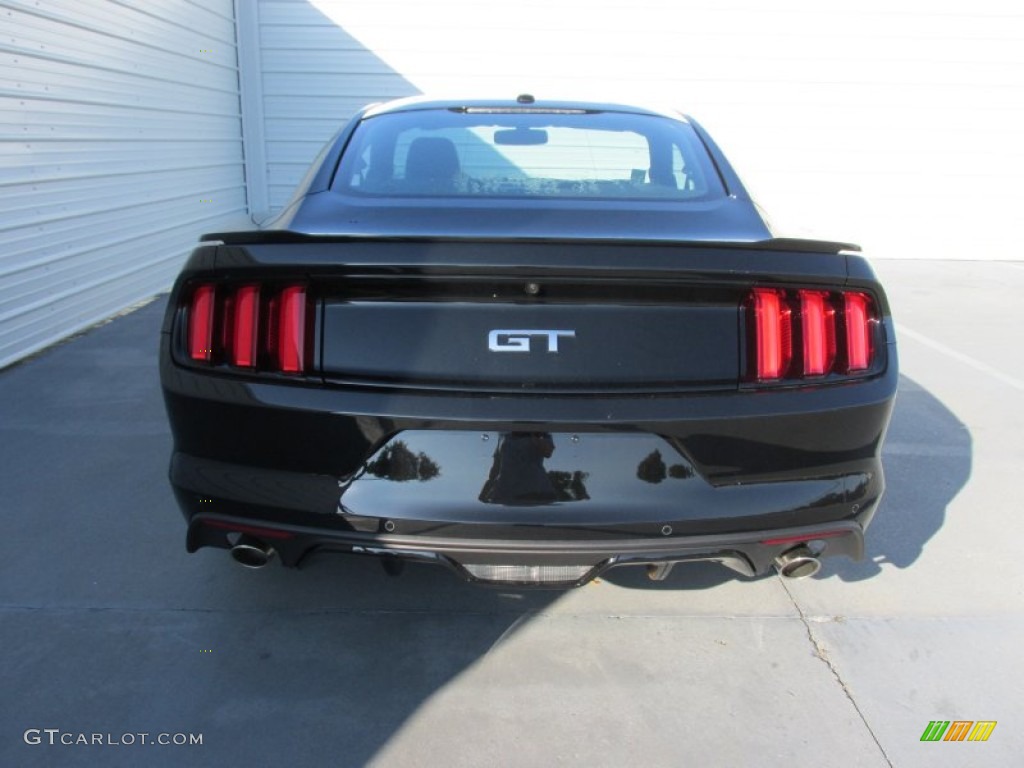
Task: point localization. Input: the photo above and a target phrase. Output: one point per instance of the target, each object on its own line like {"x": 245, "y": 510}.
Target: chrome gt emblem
{"x": 519, "y": 341}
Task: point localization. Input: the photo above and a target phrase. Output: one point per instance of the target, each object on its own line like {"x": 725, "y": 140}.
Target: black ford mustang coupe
{"x": 529, "y": 341}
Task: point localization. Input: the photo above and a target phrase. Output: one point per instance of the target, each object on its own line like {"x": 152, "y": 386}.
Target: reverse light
{"x": 799, "y": 334}
{"x": 528, "y": 574}
{"x": 250, "y": 326}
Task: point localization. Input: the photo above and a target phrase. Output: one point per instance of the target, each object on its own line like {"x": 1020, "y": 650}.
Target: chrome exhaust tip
{"x": 797, "y": 563}
{"x": 252, "y": 553}
{"x": 659, "y": 571}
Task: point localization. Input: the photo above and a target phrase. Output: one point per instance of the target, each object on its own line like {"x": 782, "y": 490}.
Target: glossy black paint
{"x": 565, "y": 479}
{"x": 641, "y": 441}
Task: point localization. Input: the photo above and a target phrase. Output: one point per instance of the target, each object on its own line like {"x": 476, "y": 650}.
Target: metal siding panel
{"x": 250, "y": 87}
{"x": 120, "y": 143}
{"x": 315, "y": 76}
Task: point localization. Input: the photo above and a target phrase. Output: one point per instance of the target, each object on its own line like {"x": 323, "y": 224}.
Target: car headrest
{"x": 431, "y": 159}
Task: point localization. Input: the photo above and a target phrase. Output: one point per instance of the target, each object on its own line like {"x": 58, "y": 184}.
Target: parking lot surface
{"x": 109, "y": 628}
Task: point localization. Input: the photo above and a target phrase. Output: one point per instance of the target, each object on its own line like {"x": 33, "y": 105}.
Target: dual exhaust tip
{"x": 251, "y": 553}
{"x": 797, "y": 563}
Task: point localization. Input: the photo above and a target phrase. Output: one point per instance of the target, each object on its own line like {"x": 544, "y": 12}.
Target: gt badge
{"x": 519, "y": 341}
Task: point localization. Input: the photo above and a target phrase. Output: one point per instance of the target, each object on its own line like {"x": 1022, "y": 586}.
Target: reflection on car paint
{"x": 518, "y": 476}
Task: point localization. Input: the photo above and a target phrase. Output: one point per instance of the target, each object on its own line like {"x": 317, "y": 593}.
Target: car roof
{"x": 521, "y": 103}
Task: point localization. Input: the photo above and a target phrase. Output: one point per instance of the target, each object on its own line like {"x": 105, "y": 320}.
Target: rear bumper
{"x": 736, "y": 477}
{"x": 555, "y": 563}
{"x": 457, "y": 499}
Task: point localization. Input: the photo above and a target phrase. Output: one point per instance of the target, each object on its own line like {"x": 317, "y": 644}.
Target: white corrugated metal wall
{"x": 307, "y": 76}
{"x": 120, "y": 142}
{"x": 890, "y": 122}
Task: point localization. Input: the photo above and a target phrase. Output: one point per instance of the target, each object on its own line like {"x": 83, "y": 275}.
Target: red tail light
{"x": 200, "y": 323}
{"x": 858, "y": 336}
{"x": 267, "y": 533}
{"x": 804, "y": 537}
{"x": 818, "y": 324}
{"x": 773, "y": 334}
{"x": 291, "y": 329}
{"x": 244, "y": 324}
{"x": 233, "y": 325}
{"x": 832, "y": 333}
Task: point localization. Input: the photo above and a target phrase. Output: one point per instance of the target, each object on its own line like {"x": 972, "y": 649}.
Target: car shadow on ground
{"x": 927, "y": 461}
{"x": 343, "y": 650}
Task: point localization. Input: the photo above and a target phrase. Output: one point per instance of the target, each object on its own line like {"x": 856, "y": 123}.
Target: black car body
{"x": 467, "y": 341}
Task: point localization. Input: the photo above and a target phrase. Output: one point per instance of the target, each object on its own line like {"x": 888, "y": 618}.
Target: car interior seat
{"x": 432, "y": 163}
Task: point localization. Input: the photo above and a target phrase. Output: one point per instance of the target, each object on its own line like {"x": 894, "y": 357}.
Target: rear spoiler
{"x": 273, "y": 236}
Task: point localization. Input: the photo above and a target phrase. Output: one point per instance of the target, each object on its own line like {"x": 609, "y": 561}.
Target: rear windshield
{"x": 527, "y": 153}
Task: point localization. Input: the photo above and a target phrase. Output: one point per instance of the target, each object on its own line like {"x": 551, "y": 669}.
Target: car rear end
{"x": 528, "y": 411}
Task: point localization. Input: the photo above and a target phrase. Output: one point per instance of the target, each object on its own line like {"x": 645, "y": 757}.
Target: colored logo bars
{"x": 958, "y": 730}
